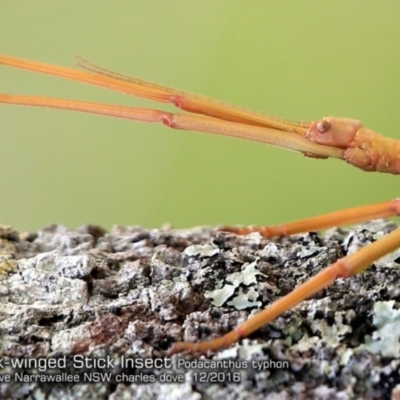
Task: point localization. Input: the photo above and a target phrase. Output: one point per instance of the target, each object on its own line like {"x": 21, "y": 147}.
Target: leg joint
{"x": 342, "y": 268}
{"x": 396, "y": 206}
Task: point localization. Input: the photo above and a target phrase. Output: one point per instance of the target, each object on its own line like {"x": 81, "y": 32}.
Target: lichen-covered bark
{"x": 132, "y": 292}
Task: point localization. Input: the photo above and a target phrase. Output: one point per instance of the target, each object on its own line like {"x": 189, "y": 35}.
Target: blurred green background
{"x": 294, "y": 59}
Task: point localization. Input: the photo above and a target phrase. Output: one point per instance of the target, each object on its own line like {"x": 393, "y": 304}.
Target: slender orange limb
{"x": 140, "y": 88}
{"x": 262, "y": 128}
{"x": 338, "y": 218}
{"x": 181, "y": 121}
{"x": 341, "y": 138}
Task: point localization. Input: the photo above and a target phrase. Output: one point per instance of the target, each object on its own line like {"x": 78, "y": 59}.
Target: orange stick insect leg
{"x": 342, "y": 268}
{"x": 338, "y": 218}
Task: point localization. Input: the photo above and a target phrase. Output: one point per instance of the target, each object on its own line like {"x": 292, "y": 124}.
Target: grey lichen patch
{"x": 272, "y": 251}
{"x": 132, "y": 292}
{"x": 166, "y": 265}
{"x": 66, "y": 340}
{"x": 75, "y": 267}
{"x": 50, "y": 277}
{"x": 172, "y": 299}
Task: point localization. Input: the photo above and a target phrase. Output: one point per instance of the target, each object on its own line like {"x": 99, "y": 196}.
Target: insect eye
{"x": 324, "y": 126}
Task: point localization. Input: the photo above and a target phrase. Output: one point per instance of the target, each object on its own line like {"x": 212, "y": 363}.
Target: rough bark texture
{"x": 132, "y": 292}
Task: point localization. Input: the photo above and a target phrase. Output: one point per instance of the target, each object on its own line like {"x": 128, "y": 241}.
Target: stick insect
{"x": 340, "y": 138}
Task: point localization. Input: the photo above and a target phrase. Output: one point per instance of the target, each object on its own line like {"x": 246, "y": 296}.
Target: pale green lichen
{"x": 332, "y": 334}
{"x": 220, "y": 296}
{"x": 243, "y": 300}
{"x": 204, "y": 250}
{"x": 346, "y": 356}
{"x": 244, "y": 350}
{"x": 326, "y": 335}
{"x": 385, "y": 340}
{"x": 247, "y": 276}
{"x": 306, "y": 343}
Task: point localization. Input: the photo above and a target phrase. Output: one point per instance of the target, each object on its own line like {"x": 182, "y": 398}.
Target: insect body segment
{"x": 373, "y": 152}
{"x": 362, "y": 147}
